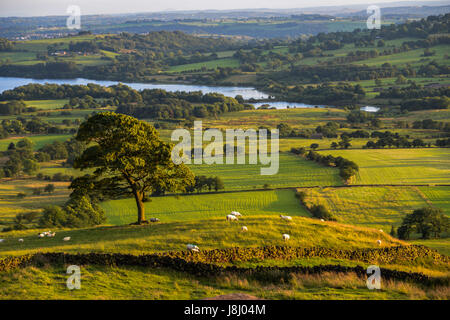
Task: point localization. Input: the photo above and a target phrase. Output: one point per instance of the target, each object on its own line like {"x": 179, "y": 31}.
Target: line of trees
{"x": 347, "y": 168}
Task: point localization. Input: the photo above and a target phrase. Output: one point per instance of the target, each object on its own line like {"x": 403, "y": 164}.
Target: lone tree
{"x": 129, "y": 158}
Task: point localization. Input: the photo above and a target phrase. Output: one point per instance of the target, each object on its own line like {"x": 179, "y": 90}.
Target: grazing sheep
{"x": 41, "y": 235}
{"x": 66, "y": 238}
{"x": 379, "y": 242}
{"x": 20, "y": 240}
{"x": 244, "y": 229}
{"x": 192, "y": 247}
{"x": 235, "y": 213}
{"x": 286, "y": 237}
{"x": 322, "y": 220}
{"x": 287, "y": 218}
{"x": 154, "y": 220}
{"x": 1, "y": 240}
{"x": 230, "y": 217}
{"x": 381, "y": 230}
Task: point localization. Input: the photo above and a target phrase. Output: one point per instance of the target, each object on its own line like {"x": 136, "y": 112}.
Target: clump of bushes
{"x": 76, "y": 213}
{"x": 317, "y": 211}
{"x": 320, "y": 212}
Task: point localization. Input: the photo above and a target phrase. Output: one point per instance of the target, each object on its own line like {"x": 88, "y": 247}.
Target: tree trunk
{"x": 141, "y": 208}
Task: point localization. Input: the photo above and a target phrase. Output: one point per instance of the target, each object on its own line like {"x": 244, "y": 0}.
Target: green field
{"x": 399, "y": 166}
{"x": 377, "y": 207}
{"x": 194, "y": 207}
{"x": 223, "y": 63}
{"x": 47, "y": 104}
{"x": 39, "y": 140}
{"x": 293, "y": 171}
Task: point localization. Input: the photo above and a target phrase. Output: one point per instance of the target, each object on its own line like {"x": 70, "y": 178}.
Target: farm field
{"x": 202, "y": 206}
{"x": 376, "y": 207}
{"x": 11, "y": 204}
{"x": 47, "y": 104}
{"x": 214, "y": 64}
{"x": 293, "y": 172}
{"x": 399, "y": 166}
{"x": 39, "y": 140}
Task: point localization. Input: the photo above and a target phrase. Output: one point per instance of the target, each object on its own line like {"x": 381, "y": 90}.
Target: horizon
{"x": 47, "y": 8}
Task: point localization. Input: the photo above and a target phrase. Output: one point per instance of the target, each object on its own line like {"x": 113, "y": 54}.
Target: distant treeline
{"x": 414, "y": 91}
{"x": 322, "y": 94}
{"x": 34, "y": 125}
{"x": 161, "y": 104}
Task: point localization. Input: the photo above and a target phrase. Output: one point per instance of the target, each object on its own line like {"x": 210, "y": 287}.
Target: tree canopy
{"x": 129, "y": 158}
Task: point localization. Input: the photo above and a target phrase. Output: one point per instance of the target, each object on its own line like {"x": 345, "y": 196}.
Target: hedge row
{"x": 386, "y": 255}
{"x": 261, "y": 273}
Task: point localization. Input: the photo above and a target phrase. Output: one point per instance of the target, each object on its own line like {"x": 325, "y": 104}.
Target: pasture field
{"x": 413, "y": 57}
{"x": 441, "y": 245}
{"x": 295, "y": 117}
{"x": 47, "y": 104}
{"x": 203, "y": 206}
{"x": 214, "y": 64}
{"x": 39, "y": 140}
{"x": 208, "y": 233}
{"x": 437, "y": 115}
{"x": 294, "y": 171}
{"x": 376, "y": 207}
{"x": 10, "y": 204}
{"x": 399, "y": 166}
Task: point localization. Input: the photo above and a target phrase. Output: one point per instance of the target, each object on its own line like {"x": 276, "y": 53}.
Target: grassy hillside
{"x": 208, "y": 233}
{"x": 138, "y": 283}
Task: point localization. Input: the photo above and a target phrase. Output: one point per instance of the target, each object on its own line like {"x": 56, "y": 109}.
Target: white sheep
{"x": 230, "y": 217}
{"x": 21, "y": 240}
{"x": 235, "y": 213}
{"x": 1, "y": 240}
{"x": 286, "y": 237}
{"x": 66, "y": 238}
{"x": 379, "y": 242}
{"x": 244, "y": 229}
{"x": 287, "y": 218}
{"x": 322, "y": 220}
{"x": 381, "y": 230}
{"x": 192, "y": 247}
{"x": 41, "y": 235}
{"x": 154, "y": 220}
